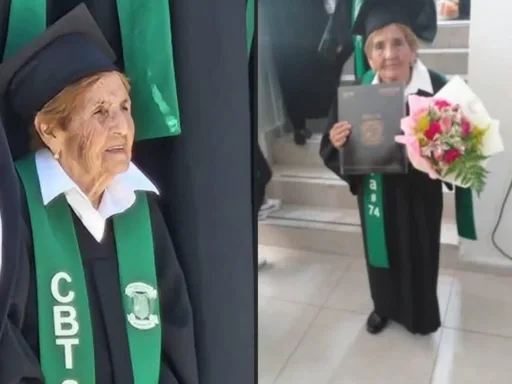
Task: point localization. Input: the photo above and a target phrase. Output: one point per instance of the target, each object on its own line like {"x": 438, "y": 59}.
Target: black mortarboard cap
{"x": 419, "y": 15}
{"x": 69, "y": 50}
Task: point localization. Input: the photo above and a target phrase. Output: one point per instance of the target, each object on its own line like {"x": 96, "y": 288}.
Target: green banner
{"x": 464, "y": 212}
{"x": 373, "y": 210}
{"x": 149, "y": 63}
{"x": 27, "y": 20}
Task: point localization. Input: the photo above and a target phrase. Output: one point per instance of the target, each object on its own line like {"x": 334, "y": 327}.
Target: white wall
{"x": 490, "y": 76}
{"x": 270, "y": 104}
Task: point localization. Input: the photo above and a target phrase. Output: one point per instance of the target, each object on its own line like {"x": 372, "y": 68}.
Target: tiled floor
{"x": 312, "y": 310}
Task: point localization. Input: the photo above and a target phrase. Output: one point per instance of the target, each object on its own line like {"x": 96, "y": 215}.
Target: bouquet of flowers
{"x": 450, "y": 136}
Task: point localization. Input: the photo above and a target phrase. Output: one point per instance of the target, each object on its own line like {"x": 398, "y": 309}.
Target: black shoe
{"x": 375, "y": 323}
{"x": 301, "y": 136}
{"x": 307, "y": 133}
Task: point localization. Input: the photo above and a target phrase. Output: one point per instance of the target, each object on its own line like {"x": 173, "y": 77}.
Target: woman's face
{"x": 98, "y": 140}
{"x": 390, "y": 54}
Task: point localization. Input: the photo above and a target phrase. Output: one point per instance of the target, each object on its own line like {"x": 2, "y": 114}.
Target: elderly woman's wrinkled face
{"x": 100, "y": 133}
{"x": 96, "y": 141}
{"x": 390, "y": 54}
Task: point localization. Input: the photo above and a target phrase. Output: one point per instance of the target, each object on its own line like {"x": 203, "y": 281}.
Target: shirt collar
{"x": 117, "y": 197}
{"x": 420, "y": 80}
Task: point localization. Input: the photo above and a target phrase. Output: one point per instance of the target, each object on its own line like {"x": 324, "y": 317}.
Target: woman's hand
{"x": 339, "y": 133}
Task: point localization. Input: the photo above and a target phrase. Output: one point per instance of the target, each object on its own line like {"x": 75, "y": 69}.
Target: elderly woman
{"x": 406, "y": 290}
{"x": 100, "y": 296}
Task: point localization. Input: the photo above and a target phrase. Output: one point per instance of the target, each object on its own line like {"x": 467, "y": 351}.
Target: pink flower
{"x": 433, "y": 130}
{"x": 419, "y": 113}
{"x": 442, "y": 104}
{"x": 466, "y": 127}
{"x": 446, "y": 123}
{"x": 437, "y": 151}
{"x": 451, "y": 155}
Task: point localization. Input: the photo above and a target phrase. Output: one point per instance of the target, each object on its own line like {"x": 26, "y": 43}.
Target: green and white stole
{"x": 65, "y": 331}
{"x": 373, "y": 209}
{"x": 148, "y": 58}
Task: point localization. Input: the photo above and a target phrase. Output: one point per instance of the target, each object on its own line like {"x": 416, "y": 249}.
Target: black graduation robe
{"x": 337, "y": 43}
{"x": 19, "y": 342}
{"x": 307, "y": 78}
{"x": 10, "y": 213}
{"x": 413, "y": 204}
{"x": 203, "y": 175}
{"x": 464, "y": 9}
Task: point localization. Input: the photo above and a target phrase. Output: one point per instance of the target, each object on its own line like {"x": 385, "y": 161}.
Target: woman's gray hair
{"x": 410, "y": 38}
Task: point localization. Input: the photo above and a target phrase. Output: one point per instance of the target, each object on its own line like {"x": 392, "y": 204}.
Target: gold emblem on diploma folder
{"x": 372, "y": 130}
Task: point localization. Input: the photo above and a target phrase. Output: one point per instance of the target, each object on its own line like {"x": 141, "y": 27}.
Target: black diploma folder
{"x": 374, "y": 111}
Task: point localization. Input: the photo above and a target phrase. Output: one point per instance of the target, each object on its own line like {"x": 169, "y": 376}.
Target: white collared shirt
{"x": 117, "y": 197}
{"x": 420, "y": 79}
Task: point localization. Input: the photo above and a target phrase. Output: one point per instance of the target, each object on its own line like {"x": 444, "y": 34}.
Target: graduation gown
{"x": 210, "y": 220}
{"x": 413, "y": 206}
{"x": 19, "y": 342}
{"x": 10, "y": 213}
{"x": 306, "y": 76}
{"x": 337, "y": 40}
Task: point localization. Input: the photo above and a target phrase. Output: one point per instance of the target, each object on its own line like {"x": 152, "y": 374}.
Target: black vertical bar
{"x": 209, "y": 182}
{"x": 253, "y": 111}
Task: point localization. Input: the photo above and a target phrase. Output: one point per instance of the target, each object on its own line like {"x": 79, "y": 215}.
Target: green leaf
{"x": 470, "y": 173}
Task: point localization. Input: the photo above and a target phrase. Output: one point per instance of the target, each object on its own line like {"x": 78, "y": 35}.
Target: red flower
{"x": 451, "y": 155}
{"x": 466, "y": 127}
{"x": 433, "y": 130}
{"x": 442, "y": 104}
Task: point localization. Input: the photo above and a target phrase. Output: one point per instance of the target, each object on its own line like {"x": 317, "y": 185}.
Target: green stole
{"x": 373, "y": 221}
{"x": 148, "y": 58}
{"x": 373, "y": 209}
{"x": 249, "y": 24}
{"x": 65, "y": 330}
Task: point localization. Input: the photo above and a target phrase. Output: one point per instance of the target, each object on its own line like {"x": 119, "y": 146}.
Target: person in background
{"x": 264, "y": 205}
{"x": 404, "y": 288}
{"x": 454, "y": 9}
{"x": 304, "y": 74}
{"x": 268, "y": 207}
{"x": 465, "y": 9}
